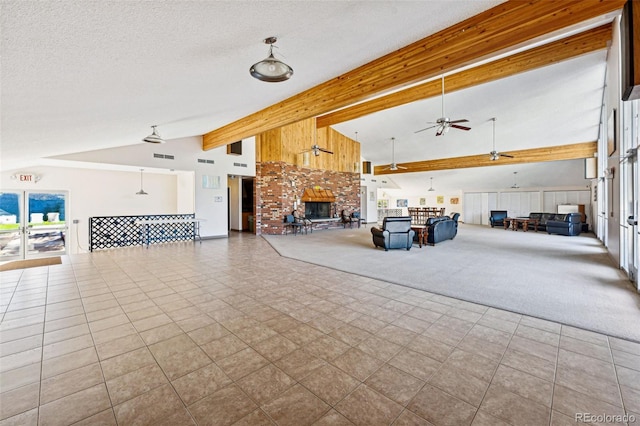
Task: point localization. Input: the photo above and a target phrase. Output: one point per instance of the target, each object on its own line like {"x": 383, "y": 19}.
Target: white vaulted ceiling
{"x": 80, "y": 76}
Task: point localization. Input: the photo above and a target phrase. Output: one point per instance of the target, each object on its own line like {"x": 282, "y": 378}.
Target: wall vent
{"x": 373, "y": 180}
{"x": 202, "y": 160}
{"x": 165, "y": 156}
{"x": 240, "y": 164}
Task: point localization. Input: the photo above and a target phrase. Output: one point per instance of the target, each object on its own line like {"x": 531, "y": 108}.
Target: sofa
{"x": 442, "y": 228}
{"x": 395, "y": 233}
{"x": 569, "y": 224}
{"x": 497, "y": 217}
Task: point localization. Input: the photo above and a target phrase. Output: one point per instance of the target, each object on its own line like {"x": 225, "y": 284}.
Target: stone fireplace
{"x": 279, "y": 185}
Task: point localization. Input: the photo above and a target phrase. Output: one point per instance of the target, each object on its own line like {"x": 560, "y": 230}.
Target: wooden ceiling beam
{"x": 535, "y": 155}
{"x": 505, "y": 26}
{"x": 551, "y": 53}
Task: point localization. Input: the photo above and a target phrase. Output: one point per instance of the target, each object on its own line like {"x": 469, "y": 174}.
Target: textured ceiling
{"x": 79, "y": 76}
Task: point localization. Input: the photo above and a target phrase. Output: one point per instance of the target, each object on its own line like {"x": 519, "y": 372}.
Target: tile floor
{"x": 228, "y": 333}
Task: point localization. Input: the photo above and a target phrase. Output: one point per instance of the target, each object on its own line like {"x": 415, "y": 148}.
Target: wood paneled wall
{"x": 287, "y": 144}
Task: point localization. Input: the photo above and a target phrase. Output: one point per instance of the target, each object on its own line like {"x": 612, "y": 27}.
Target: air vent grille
{"x": 240, "y": 164}
{"x": 202, "y": 160}
{"x": 165, "y": 156}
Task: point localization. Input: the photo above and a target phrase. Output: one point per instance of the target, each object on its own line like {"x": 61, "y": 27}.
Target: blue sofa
{"x": 442, "y": 228}
{"x": 569, "y": 224}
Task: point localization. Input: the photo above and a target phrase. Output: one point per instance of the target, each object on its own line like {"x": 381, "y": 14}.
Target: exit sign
{"x": 26, "y": 177}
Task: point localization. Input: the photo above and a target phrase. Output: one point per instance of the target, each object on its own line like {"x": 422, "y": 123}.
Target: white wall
{"x": 477, "y": 205}
{"x": 613, "y": 101}
{"x": 373, "y": 183}
{"x": 104, "y": 182}
{"x": 101, "y": 193}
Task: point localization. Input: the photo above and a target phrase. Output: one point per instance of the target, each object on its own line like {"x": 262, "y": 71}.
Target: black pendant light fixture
{"x": 270, "y": 69}
{"x": 154, "y": 137}
{"x": 141, "y": 192}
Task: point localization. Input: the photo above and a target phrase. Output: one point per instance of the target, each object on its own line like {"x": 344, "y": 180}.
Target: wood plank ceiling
{"x": 492, "y": 32}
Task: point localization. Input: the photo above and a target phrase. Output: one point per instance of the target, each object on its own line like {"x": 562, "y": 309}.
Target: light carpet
{"x": 570, "y": 280}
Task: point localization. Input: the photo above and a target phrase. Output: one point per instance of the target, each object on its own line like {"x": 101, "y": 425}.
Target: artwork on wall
{"x": 423, "y": 201}
{"x": 383, "y": 204}
{"x": 440, "y": 199}
{"x": 402, "y": 203}
{"x": 211, "y": 182}
{"x": 454, "y": 200}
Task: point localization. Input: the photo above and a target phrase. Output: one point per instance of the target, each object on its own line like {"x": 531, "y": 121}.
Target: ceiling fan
{"x": 316, "y": 150}
{"x": 495, "y": 155}
{"x": 444, "y": 123}
{"x": 393, "y": 166}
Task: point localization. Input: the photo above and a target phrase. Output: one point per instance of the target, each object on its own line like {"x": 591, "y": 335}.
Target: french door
{"x": 32, "y": 224}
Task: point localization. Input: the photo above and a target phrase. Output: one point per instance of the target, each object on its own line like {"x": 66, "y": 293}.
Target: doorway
{"x": 32, "y": 224}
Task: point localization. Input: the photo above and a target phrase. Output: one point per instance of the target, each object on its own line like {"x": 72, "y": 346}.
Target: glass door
{"x": 11, "y": 226}
{"x": 47, "y": 227}
{"x": 32, "y": 224}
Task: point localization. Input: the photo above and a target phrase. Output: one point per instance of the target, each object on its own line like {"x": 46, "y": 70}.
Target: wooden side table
{"x": 422, "y": 232}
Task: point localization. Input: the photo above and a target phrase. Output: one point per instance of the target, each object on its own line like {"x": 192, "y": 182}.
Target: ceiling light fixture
{"x": 270, "y": 69}
{"x": 515, "y": 184}
{"x": 154, "y": 137}
{"x": 493, "y": 155}
{"x": 431, "y": 187}
{"x": 141, "y": 192}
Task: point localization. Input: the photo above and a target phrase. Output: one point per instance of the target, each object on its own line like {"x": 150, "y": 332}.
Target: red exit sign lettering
{"x": 26, "y": 177}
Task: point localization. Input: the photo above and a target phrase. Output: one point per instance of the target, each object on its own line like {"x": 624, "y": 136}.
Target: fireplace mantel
{"x": 318, "y": 196}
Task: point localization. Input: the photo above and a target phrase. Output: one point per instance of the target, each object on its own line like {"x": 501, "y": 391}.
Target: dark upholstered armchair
{"x": 497, "y": 217}
{"x": 396, "y": 232}
{"x": 350, "y": 219}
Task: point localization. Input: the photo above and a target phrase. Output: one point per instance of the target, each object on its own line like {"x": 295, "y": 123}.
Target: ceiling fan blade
{"x": 441, "y": 130}
{"x": 426, "y": 128}
{"x": 457, "y": 126}
{"x": 401, "y": 167}
{"x": 506, "y": 155}
{"x": 464, "y": 120}
{"x": 325, "y": 150}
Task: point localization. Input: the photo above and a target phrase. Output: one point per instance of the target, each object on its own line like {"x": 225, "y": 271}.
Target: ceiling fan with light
{"x": 393, "y": 166}
{"x": 495, "y": 155}
{"x": 316, "y": 149}
{"x": 444, "y": 123}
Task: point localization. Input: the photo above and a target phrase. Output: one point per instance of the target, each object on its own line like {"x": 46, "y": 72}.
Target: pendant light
{"x": 154, "y": 137}
{"x": 141, "y": 192}
{"x": 515, "y": 184}
{"x": 270, "y": 69}
{"x": 431, "y": 187}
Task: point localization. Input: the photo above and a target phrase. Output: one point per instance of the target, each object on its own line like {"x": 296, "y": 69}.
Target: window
{"x": 235, "y": 148}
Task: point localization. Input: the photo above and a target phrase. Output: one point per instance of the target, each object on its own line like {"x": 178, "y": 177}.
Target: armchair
{"x": 350, "y": 219}
{"x": 396, "y": 232}
{"x": 497, "y": 217}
